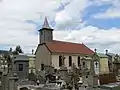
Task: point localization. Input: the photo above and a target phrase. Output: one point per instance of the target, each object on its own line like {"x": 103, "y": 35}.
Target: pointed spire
{"x": 46, "y": 24}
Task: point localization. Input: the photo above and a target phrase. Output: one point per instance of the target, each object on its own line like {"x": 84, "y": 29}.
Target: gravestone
{"x": 13, "y": 78}
{"x": 64, "y": 73}
{"x": 90, "y": 76}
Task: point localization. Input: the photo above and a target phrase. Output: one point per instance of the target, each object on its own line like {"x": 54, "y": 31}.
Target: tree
{"x": 17, "y": 50}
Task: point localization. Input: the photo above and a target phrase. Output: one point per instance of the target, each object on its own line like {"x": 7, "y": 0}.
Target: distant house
{"x": 57, "y": 53}
{"x": 21, "y": 63}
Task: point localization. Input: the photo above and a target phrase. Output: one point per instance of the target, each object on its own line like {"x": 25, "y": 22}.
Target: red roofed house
{"x": 56, "y": 53}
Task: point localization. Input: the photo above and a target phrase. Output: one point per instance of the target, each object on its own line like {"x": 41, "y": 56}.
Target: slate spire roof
{"x": 46, "y": 24}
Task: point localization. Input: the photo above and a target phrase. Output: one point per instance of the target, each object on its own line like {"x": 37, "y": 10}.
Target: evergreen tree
{"x": 17, "y": 50}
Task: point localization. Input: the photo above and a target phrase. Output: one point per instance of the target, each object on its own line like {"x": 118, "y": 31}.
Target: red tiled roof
{"x": 68, "y": 47}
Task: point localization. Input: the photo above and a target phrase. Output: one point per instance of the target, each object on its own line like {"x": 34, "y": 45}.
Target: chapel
{"x": 56, "y": 53}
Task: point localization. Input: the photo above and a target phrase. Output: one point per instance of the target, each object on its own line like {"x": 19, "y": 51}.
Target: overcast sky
{"x": 96, "y": 23}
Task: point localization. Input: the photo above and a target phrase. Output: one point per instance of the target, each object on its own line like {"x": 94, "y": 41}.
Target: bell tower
{"x": 45, "y": 33}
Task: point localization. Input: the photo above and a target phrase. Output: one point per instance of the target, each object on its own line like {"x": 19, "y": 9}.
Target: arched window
{"x": 70, "y": 61}
{"x": 83, "y": 64}
{"x": 60, "y": 61}
{"x": 42, "y": 66}
{"x": 79, "y": 61}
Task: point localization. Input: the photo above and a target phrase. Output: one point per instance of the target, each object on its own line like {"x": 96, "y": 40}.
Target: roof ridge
{"x": 67, "y": 42}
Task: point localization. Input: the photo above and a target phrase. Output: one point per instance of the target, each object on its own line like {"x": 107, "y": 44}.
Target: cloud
{"x": 99, "y": 2}
{"x": 111, "y": 12}
{"x": 71, "y": 16}
{"x": 15, "y": 14}
{"x": 93, "y": 37}
{"x": 13, "y": 26}
{"x": 69, "y": 24}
